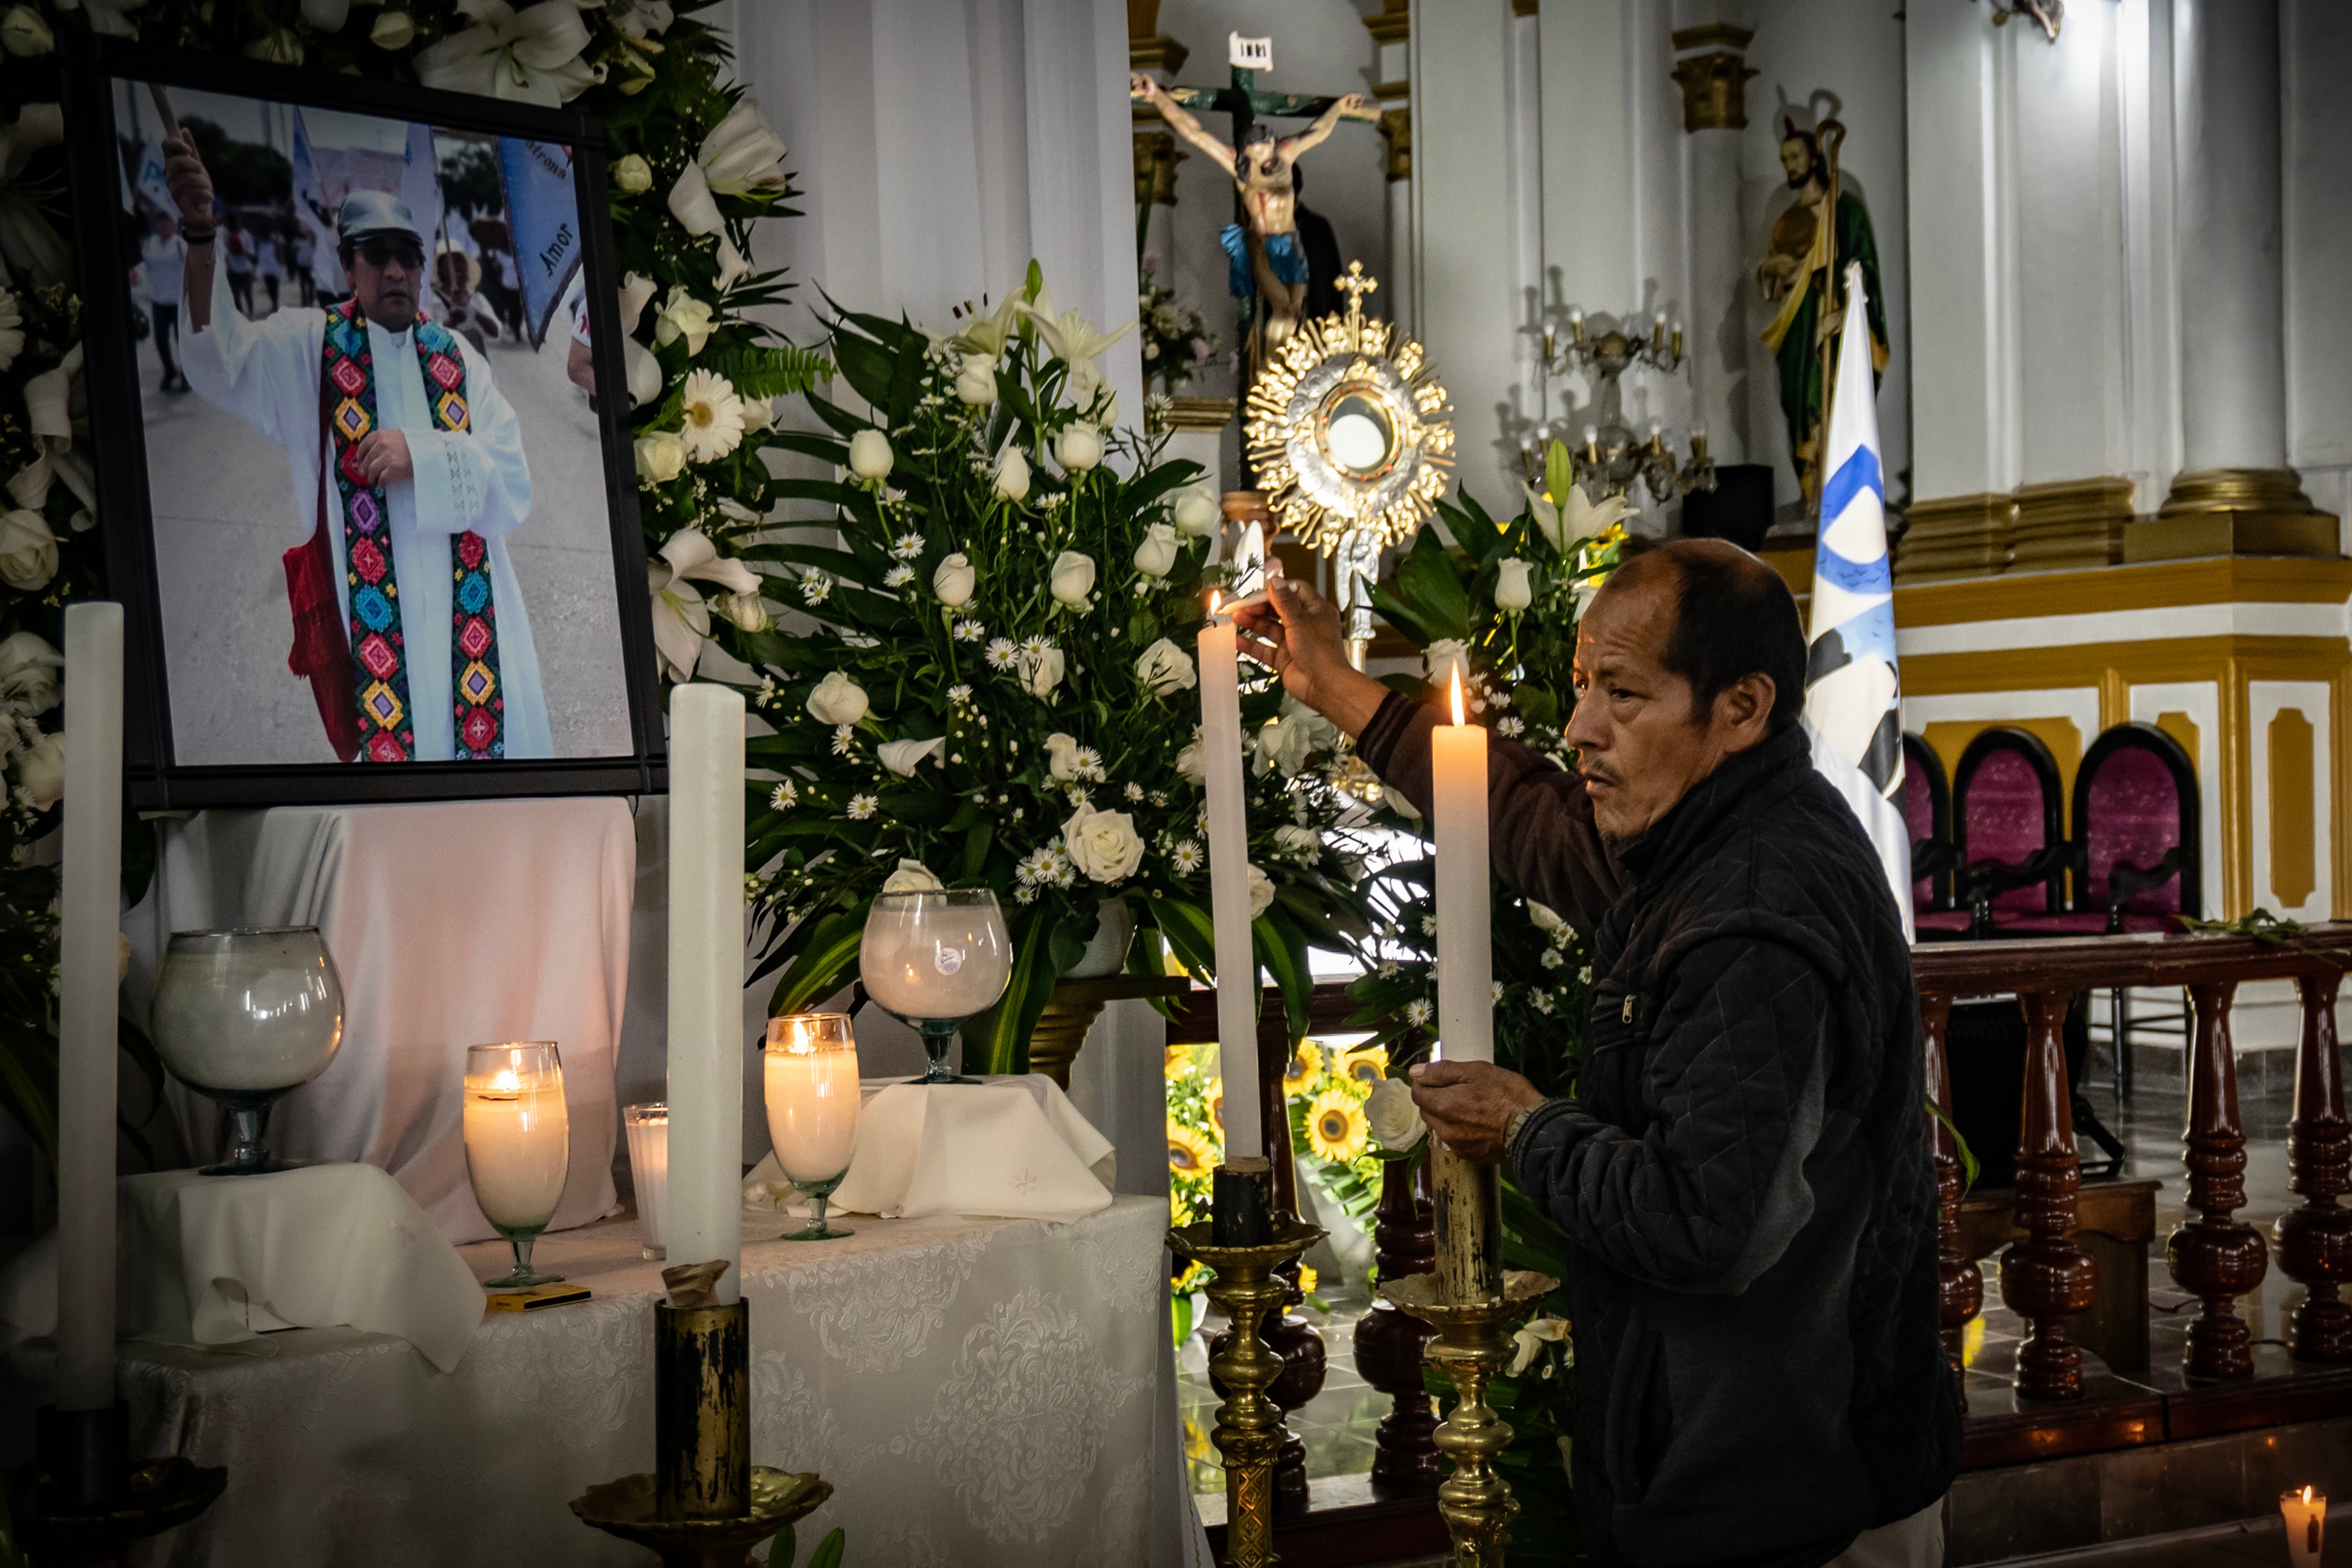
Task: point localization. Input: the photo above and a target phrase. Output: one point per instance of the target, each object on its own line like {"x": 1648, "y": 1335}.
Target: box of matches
{"x": 532, "y": 1298}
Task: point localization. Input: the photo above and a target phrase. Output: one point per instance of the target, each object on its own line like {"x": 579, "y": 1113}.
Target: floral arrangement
{"x": 1176, "y": 340}
{"x": 993, "y": 682}
{"x": 693, "y": 165}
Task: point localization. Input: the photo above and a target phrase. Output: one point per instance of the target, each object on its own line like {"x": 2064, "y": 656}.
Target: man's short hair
{"x": 1734, "y": 616}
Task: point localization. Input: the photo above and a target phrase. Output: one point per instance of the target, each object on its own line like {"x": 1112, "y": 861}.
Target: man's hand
{"x": 383, "y": 457}
{"x": 184, "y": 175}
{"x": 1297, "y": 634}
{"x": 1470, "y": 1106}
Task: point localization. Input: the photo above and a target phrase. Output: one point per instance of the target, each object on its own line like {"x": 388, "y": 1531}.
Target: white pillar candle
{"x": 1465, "y": 959}
{"x": 706, "y": 980}
{"x": 89, "y": 918}
{"x": 518, "y": 1145}
{"x": 812, "y": 1094}
{"x": 2305, "y": 1512}
{"x": 648, "y": 1129}
{"x": 1237, "y": 989}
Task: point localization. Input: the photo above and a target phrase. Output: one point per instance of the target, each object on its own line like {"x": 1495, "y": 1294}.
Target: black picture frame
{"x": 155, "y": 780}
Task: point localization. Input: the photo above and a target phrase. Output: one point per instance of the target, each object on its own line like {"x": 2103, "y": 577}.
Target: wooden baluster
{"x": 1960, "y": 1285}
{"x": 2314, "y": 1242}
{"x": 1389, "y": 1342}
{"x": 2047, "y": 1278}
{"x": 2216, "y": 1257}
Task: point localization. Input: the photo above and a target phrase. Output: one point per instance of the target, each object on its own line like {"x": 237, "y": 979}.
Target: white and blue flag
{"x": 1853, "y": 686}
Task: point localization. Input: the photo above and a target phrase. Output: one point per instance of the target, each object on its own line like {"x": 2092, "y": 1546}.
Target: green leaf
{"x": 829, "y": 1551}
{"x": 867, "y": 366}
{"x": 1400, "y": 614}
{"x": 1282, "y": 949}
{"x": 823, "y": 965}
{"x": 1432, "y": 589}
{"x": 1968, "y": 1166}
{"x": 1191, "y": 933}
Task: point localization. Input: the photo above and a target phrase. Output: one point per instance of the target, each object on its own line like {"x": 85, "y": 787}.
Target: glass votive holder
{"x": 648, "y": 1126}
{"x": 812, "y": 1098}
{"x": 518, "y": 1145}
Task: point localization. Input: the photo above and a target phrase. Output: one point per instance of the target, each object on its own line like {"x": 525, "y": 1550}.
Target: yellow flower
{"x": 1190, "y": 1152}
{"x": 1307, "y": 1277}
{"x": 1336, "y": 1129}
{"x": 1304, "y": 1070}
{"x": 1214, "y": 1102}
{"x": 1179, "y": 1062}
{"x": 1366, "y": 1067}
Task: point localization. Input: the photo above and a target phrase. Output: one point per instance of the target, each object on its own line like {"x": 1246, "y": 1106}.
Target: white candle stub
{"x": 2305, "y": 1512}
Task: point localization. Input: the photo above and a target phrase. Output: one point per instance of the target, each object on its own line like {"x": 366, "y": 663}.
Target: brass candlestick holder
{"x": 1472, "y": 1303}
{"x": 1249, "y": 1430}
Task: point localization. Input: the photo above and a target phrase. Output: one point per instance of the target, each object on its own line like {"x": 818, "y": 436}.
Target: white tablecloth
{"x": 977, "y": 1391}
{"x": 452, "y": 924}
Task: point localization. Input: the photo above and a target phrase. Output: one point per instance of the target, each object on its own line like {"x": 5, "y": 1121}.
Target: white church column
{"x": 1713, "y": 72}
{"x": 2235, "y": 492}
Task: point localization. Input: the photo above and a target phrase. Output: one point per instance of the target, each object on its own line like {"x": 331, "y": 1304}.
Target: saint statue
{"x": 1805, "y": 256}
{"x": 1269, "y": 273}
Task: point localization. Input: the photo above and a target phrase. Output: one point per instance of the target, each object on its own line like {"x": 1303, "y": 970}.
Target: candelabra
{"x": 1605, "y": 456}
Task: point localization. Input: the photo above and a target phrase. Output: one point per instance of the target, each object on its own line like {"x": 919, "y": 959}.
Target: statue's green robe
{"x": 1794, "y": 335}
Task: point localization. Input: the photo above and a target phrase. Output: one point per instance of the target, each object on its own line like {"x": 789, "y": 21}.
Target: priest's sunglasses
{"x": 385, "y": 252}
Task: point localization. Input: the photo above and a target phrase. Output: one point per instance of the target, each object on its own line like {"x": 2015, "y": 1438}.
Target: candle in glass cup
{"x": 1465, "y": 959}
{"x": 648, "y": 1129}
{"x": 1237, "y": 989}
{"x": 518, "y": 1135}
{"x": 812, "y": 1094}
{"x": 2305, "y": 1512}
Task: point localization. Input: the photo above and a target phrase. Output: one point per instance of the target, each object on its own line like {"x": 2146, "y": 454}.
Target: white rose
{"x": 1192, "y": 762}
{"x": 975, "y": 383}
{"x": 869, "y": 455}
{"x": 41, "y": 771}
{"x": 1062, "y": 756}
{"x": 1078, "y": 448}
{"x": 1288, "y": 740}
{"x": 28, "y": 671}
{"x": 1012, "y": 476}
{"x": 1547, "y": 920}
{"x": 1197, "y": 513}
{"x": 631, "y": 176}
{"x": 1294, "y": 839}
{"x": 1102, "y": 844}
{"x": 1261, "y": 892}
{"x": 1041, "y": 672}
{"x": 1395, "y": 1118}
{"x": 29, "y": 550}
{"x": 1156, "y": 556}
{"x": 952, "y": 580}
{"x": 661, "y": 456}
{"x": 837, "y": 699}
{"x": 912, "y": 876}
{"x": 1166, "y": 669}
{"x": 1512, "y": 589}
{"x": 1444, "y": 657}
{"x": 902, "y": 757}
{"x": 748, "y": 611}
{"x": 1073, "y": 579}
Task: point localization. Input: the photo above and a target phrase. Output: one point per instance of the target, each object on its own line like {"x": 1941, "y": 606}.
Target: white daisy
{"x": 959, "y": 693}
{"x": 786, "y": 796}
{"x": 1541, "y": 1001}
{"x": 1416, "y": 1012}
{"x": 908, "y": 546}
{"x": 970, "y": 631}
{"x": 899, "y": 576}
{"x": 1185, "y": 858}
{"x": 1037, "y": 646}
{"x": 842, "y": 743}
{"x": 1079, "y": 795}
{"x": 815, "y": 587}
{"x": 1498, "y": 991}
{"x": 1509, "y": 726}
{"x": 1024, "y": 895}
{"x": 1090, "y": 764}
{"x": 1134, "y": 792}
{"x": 1553, "y": 958}
{"x": 861, "y": 806}
{"x": 714, "y": 417}
{"x": 1585, "y": 975}
{"x": 1429, "y": 925}
{"x": 1037, "y": 866}
{"x": 1391, "y": 970}
{"x": 1002, "y": 654}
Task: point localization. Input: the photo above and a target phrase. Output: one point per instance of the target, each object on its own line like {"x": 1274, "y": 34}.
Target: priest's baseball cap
{"x": 367, "y": 214}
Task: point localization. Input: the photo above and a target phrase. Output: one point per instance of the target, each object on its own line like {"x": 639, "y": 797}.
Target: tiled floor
{"x": 2232, "y": 1548}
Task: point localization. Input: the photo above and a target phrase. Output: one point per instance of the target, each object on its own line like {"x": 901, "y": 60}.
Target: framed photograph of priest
{"x": 380, "y": 502}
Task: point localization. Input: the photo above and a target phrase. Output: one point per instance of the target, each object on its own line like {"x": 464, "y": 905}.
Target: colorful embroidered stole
{"x": 379, "y": 646}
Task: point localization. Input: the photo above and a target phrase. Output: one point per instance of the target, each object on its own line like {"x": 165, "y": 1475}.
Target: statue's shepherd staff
{"x": 1830, "y": 135}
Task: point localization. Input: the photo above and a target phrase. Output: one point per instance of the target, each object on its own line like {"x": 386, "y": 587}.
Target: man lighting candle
{"x": 1743, "y": 1176}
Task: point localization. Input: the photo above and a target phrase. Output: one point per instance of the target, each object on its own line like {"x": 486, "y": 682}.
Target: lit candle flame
{"x": 1216, "y": 597}
{"x": 2306, "y": 1494}
{"x": 1458, "y": 717}
{"x": 505, "y": 1082}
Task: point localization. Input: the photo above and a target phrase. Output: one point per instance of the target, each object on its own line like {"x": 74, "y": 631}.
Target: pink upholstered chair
{"x": 1927, "y": 801}
{"x": 2136, "y": 854}
{"x": 2012, "y": 851}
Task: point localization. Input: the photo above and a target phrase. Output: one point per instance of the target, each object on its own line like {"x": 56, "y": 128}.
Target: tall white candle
{"x": 89, "y": 962}
{"x": 706, "y": 980}
{"x": 1465, "y": 957}
{"x": 1237, "y": 989}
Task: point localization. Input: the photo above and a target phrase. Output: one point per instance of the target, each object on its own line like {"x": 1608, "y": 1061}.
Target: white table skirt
{"x": 977, "y": 1391}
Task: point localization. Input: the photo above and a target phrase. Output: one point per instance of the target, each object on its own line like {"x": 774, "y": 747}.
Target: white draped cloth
{"x": 978, "y": 1392}
{"x": 268, "y": 374}
{"x": 452, "y": 924}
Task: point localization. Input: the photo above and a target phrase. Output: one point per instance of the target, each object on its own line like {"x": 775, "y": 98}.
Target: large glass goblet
{"x": 518, "y": 1145}
{"x": 812, "y": 1098}
{"x": 932, "y": 960}
{"x": 244, "y": 1016}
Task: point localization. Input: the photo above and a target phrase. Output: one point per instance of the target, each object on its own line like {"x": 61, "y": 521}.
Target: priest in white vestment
{"x": 406, "y": 493}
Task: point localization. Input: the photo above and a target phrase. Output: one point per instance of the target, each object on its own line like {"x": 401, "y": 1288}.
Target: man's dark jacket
{"x": 1743, "y": 1175}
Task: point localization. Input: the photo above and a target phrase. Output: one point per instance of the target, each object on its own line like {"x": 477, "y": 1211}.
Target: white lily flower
{"x": 988, "y": 334}
{"x": 531, "y": 56}
{"x": 1070, "y": 337}
{"x": 681, "y": 617}
{"x": 1529, "y": 1341}
{"x": 1572, "y": 522}
{"x": 690, "y": 203}
{"x": 902, "y": 757}
{"x": 743, "y": 155}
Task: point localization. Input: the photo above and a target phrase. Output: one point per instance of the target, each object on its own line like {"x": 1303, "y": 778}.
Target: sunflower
{"x": 1178, "y": 1064}
{"x": 1304, "y": 1070}
{"x": 1366, "y": 1067}
{"x": 1213, "y": 1102}
{"x": 1336, "y": 1129}
{"x": 1190, "y": 1152}
{"x": 1307, "y": 1278}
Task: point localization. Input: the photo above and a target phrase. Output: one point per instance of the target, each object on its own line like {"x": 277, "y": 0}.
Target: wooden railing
{"x": 2047, "y": 1278}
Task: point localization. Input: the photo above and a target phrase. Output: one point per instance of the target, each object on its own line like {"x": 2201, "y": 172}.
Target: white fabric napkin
{"x": 211, "y": 1260}
{"x": 1009, "y": 1148}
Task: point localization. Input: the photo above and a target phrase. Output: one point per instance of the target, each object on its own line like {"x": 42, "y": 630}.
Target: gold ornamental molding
{"x": 1392, "y": 24}
{"x": 1195, "y": 414}
{"x": 2233, "y": 512}
{"x": 1156, "y": 158}
{"x": 1349, "y": 428}
{"x": 1157, "y": 53}
{"x": 2070, "y": 523}
{"x": 1714, "y": 84}
{"x": 1396, "y": 130}
{"x": 1955, "y": 536}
